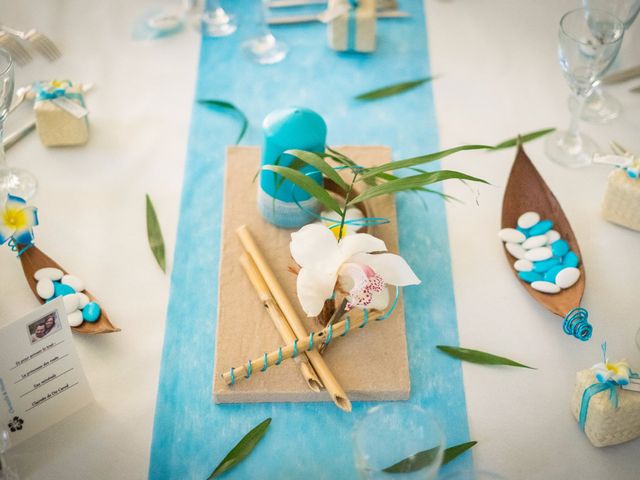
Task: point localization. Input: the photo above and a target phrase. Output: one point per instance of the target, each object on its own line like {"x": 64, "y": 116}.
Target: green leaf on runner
{"x": 527, "y": 137}
{"x": 320, "y": 164}
{"x": 308, "y": 185}
{"x": 476, "y": 356}
{"x": 154, "y": 234}
{"x": 394, "y": 89}
{"x": 242, "y": 449}
{"x": 229, "y": 106}
{"x": 425, "y": 458}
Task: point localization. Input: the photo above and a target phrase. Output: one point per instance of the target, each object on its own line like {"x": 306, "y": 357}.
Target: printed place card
{"x": 41, "y": 379}
{"x": 634, "y": 385}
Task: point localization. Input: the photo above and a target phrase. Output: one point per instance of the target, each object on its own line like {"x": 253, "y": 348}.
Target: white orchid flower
{"x": 332, "y": 220}
{"x": 348, "y": 265}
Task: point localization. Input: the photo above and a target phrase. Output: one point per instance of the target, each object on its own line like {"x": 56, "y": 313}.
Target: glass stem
{"x": 3, "y": 157}
{"x": 263, "y": 26}
{"x": 573, "y": 134}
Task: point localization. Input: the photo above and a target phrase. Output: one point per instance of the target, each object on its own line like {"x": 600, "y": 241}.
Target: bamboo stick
{"x": 330, "y": 383}
{"x": 285, "y": 352}
{"x": 310, "y": 376}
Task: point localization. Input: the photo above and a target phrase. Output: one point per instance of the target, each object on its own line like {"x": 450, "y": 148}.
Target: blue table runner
{"x": 191, "y": 434}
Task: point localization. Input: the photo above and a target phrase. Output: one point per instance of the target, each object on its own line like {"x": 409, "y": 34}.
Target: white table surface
{"x": 500, "y": 76}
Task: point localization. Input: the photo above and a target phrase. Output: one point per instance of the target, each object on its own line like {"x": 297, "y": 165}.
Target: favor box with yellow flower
{"x": 608, "y": 413}
{"x": 61, "y": 116}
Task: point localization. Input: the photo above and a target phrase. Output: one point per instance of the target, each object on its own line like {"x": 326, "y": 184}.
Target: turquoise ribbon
{"x": 352, "y": 25}
{"x": 49, "y": 93}
{"x": 594, "y": 390}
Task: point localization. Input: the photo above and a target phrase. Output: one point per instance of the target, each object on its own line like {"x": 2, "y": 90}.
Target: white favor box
{"x": 57, "y": 127}
{"x": 606, "y": 425}
{"x": 622, "y": 200}
{"x": 364, "y": 35}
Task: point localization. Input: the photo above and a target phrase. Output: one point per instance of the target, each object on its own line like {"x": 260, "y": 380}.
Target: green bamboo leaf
{"x": 476, "y": 356}
{"x": 229, "y": 106}
{"x": 154, "y": 234}
{"x": 412, "y": 182}
{"x": 394, "y": 89}
{"x": 425, "y": 458}
{"x": 308, "y": 185}
{"x": 319, "y": 163}
{"x": 242, "y": 449}
{"x": 421, "y": 160}
{"x": 527, "y": 137}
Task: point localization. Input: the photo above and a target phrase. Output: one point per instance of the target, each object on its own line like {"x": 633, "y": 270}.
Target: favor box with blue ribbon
{"x": 355, "y": 29}
{"x": 621, "y": 203}
{"x": 606, "y": 411}
{"x": 61, "y": 115}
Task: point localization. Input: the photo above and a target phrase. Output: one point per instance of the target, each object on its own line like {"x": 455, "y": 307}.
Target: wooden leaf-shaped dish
{"x": 527, "y": 191}
{"x": 33, "y": 260}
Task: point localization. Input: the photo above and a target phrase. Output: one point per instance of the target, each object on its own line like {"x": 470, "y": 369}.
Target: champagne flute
{"x": 15, "y": 181}
{"x": 265, "y": 48}
{"x": 215, "y": 21}
{"x": 390, "y": 433}
{"x": 601, "y": 107}
{"x": 589, "y": 41}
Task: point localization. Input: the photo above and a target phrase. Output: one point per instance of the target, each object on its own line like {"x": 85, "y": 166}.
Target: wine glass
{"x": 15, "y": 181}
{"x": 589, "y": 41}
{"x": 6, "y": 473}
{"x": 391, "y": 433}
{"x": 215, "y": 21}
{"x": 265, "y": 48}
{"x": 601, "y": 107}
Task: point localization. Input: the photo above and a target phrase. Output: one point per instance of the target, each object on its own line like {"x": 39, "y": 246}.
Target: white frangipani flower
{"x": 332, "y": 220}
{"x": 347, "y": 265}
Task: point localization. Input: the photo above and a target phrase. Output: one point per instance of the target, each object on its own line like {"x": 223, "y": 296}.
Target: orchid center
{"x": 361, "y": 282}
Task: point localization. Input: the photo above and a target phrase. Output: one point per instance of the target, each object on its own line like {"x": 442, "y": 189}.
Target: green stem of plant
{"x": 346, "y": 202}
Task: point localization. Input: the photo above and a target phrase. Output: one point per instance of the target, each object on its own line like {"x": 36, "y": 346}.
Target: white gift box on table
{"x": 605, "y": 424}
{"x": 621, "y": 203}
{"x": 354, "y": 30}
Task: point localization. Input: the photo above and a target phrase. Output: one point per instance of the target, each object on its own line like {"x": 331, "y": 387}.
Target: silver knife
{"x": 291, "y": 19}
{"x": 622, "y": 75}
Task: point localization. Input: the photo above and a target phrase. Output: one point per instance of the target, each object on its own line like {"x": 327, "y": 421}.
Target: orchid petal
{"x": 393, "y": 269}
{"x": 314, "y": 246}
{"x": 359, "y": 243}
{"x": 380, "y": 300}
{"x": 313, "y": 289}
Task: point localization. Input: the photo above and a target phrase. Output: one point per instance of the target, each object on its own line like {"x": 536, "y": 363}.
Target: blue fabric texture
{"x": 192, "y": 434}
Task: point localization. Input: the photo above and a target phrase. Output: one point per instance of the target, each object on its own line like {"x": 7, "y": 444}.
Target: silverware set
{"x": 18, "y": 42}
{"x": 385, "y": 8}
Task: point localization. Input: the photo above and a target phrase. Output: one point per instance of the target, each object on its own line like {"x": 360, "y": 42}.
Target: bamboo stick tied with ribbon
{"x": 337, "y": 393}
{"x": 279, "y": 321}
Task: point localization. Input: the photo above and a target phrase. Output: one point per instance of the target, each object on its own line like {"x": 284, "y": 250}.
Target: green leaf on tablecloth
{"x": 229, "y": 106}
{"x": 394, "y": 89}
{"x": 426, "y": 457}
{"x": 527, "y": 137}
{"x": 476, "y": 356}
{"x": 308, "y": 185}
{"x": 242, "y": 449}
{"x": 154, "y": 234}
{"x": 412, "y": 182}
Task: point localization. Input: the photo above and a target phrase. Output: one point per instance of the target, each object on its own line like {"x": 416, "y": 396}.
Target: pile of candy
{"x": 53, "y": 283}
{"x": 543, "y": 259}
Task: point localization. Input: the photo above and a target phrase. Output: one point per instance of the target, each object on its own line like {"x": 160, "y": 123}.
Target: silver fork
{"x": 39, "y": 41}
{"x": 12, "y": 45}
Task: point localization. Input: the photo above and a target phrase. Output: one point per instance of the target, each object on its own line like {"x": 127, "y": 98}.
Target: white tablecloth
{"x": 499, "y": 76}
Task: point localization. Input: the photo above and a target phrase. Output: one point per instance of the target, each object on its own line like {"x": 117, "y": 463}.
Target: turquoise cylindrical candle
{"x": 280, "y": 201}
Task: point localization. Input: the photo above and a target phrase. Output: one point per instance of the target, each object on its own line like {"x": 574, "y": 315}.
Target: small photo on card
{"x": 41, "y": 379}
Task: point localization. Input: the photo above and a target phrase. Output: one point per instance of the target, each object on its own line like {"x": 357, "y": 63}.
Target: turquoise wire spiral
{"x": 310, "y": 342}
{"x": 346, "y": 326}
{"x": 329, "y": 336}
{"x": 295, "y": 349}
{"x": 249, "y": 369}
{"x": 233, "y": 377}
{"x": 264, "y": 363}
{"x": 279, "y": 361}
{"x": 576, "y": 324}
